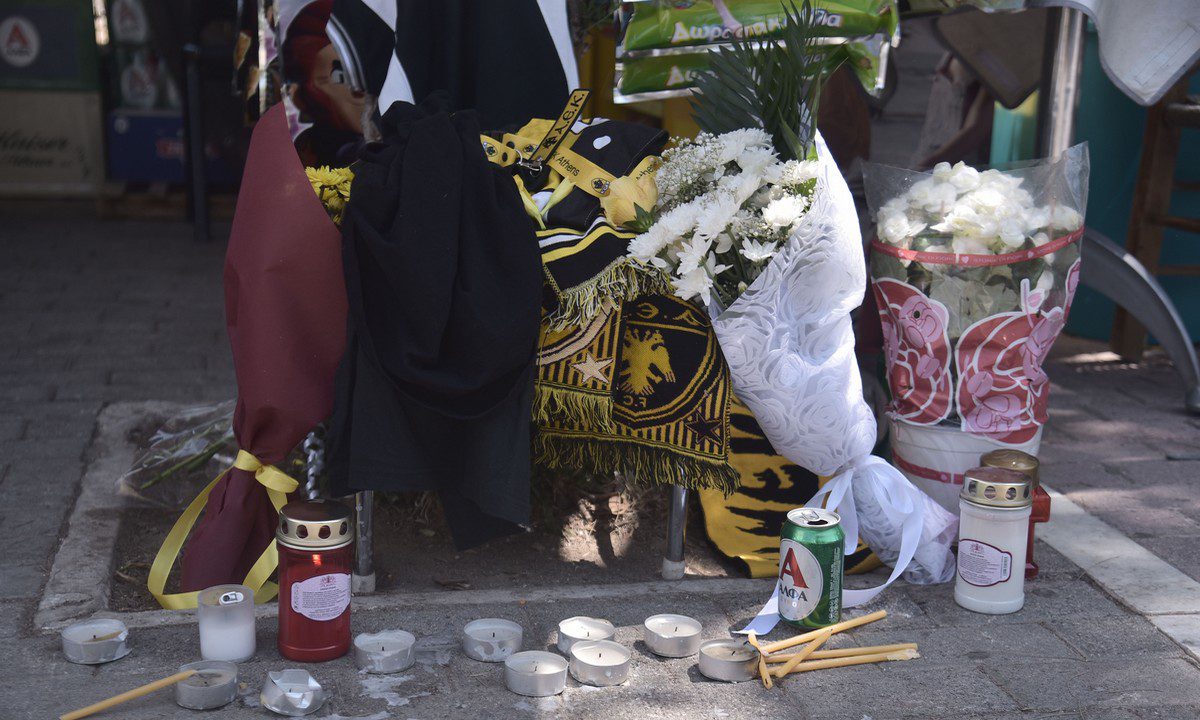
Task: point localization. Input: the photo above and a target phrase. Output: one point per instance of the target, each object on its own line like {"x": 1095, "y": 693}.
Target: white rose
{"x": 965, "y": 245}
{"x": 896, "y": 228}
{"x": 942, "y": 171}
{"x": 1065, "y": 218}
{"x": 941, "y": 197}
{"x": 1012, "y": 232}
{"x": 964, "y": 177}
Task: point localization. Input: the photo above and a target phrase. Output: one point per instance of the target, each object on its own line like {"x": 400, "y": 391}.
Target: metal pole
{"x": 363, "y": 580}
{"x": 673, "y": 565}
{"x": 194, "y": 144}
{"x": 1066, "y": 63}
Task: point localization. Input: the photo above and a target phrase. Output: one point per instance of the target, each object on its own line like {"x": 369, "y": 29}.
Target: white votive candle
{"x": 384, "y": 652}
{"x": 214, "y": 685}
{"x": 729, "y": 660}
{"x": 226, "y": 618}
{"x": 672, "y": 636}
{"x": 536, "y": 673}
{"x": 92, "y": 642}
{"x": 491, "y": 639}
{"x": 601, "y": 663}
{"x": 577, "y": 629}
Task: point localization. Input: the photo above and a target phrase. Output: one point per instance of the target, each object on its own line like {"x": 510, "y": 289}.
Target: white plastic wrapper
{"x": 790, "y": 348}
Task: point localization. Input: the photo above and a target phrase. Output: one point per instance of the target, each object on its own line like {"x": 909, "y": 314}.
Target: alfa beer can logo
{"x": 19, "y": 41}
{"x": 801, "y": 581}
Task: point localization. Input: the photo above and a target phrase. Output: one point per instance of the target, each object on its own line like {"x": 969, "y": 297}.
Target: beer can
{"x": 810, "y": 568}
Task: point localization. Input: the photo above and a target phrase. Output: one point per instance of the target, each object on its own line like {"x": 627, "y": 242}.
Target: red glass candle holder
{"x": 316, "y": 550}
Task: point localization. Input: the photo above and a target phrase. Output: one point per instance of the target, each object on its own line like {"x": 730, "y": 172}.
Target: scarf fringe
{"x": 558, "y": 407}
{"x": 641, "y": 465}
{"x": 624, "y": 279}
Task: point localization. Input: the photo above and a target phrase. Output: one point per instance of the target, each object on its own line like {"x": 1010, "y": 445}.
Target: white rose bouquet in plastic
{"x": 973, "y": 274}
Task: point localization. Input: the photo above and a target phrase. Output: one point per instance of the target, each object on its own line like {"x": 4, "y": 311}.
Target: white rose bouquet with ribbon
{"x": 783, "y": 319}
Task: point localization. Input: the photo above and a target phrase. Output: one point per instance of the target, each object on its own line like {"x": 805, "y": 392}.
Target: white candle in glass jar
{"x": 226, "y": 617}
{"x": 993, "y": 535}
{"x": 672, "y": 636}
{"x": 579, "y": 629}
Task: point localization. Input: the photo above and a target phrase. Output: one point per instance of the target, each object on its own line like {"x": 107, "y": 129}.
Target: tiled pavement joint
{"x": 1134, "y": 576}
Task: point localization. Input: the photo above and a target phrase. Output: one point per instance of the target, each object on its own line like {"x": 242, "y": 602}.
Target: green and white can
{"x": 810, "y": 568}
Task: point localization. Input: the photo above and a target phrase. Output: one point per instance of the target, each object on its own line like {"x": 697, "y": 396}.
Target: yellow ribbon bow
{"x": 278, "y": 485}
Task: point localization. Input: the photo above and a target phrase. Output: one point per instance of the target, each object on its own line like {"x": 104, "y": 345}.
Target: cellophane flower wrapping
{"x": 973, "y": 273}
{"x": 789, "y": 344}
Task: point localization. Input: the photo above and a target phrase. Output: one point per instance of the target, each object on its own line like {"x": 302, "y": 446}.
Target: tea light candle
{"x": 577, "y": 629}
{"x": 729, "y": 659}
{"x": 491, "y": 639}
{"x": 384, "y": 652}
{"x": 536, "y": 673}
{"x": 92, "y": 642}
{"x": 226, "y": 619}
{"x": 293, "y": 693}
{"x": 673, "y": 636}
{"x": 214, "y": 685}
{"x": 601, "y": 663}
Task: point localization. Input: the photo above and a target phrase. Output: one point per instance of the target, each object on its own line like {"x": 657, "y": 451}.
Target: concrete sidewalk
{"x": 92, "y": 313}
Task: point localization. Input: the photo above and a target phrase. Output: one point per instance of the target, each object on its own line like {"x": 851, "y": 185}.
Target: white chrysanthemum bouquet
{"x": 726, "y": 205}
{"x": 754, "y": 220}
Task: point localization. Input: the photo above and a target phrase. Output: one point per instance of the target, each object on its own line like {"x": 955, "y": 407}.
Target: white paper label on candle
{"x": 801, "y": 581}
{"x": 323, "y": 597}
{"x": 981, "y": 564}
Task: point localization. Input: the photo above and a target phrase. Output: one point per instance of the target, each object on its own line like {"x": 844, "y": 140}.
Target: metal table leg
{"x": 1116, "y": 274}
{"x": 673, "y": 565}
{"x": 363, "y": 580}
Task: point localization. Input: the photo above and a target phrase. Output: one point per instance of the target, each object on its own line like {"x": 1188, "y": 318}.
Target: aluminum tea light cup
{"x": 214, "y": 685}
{"x": 491, "y": 639}
{"x": 385, "y": 652}
{"x": 672, "y": 636}
{"x": 96, "y": 641}
{"x": 582, "y": 629}
{"x": 293, "y": 693}
{"x": 536, "y": 673}
{"x": 599, "y": 662}
{"x": 728, "y": 659}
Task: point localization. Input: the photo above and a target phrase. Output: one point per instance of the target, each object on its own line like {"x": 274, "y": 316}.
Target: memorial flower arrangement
{"x": 973, "y": 274}
{"x": 726, "y": 205}
{"x": 754, "y": 220}
{"x": 959, "y": 210}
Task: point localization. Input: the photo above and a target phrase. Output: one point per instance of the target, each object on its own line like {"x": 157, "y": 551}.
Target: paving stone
{"x": 1105, "y": 638}
{"x": 1183, "y": 550}
{"x": 1115, "y": 682}
{"x": 966, "y": 645}
{"x": 1046, "y": 599}
{"x": 1135, "y": 512}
